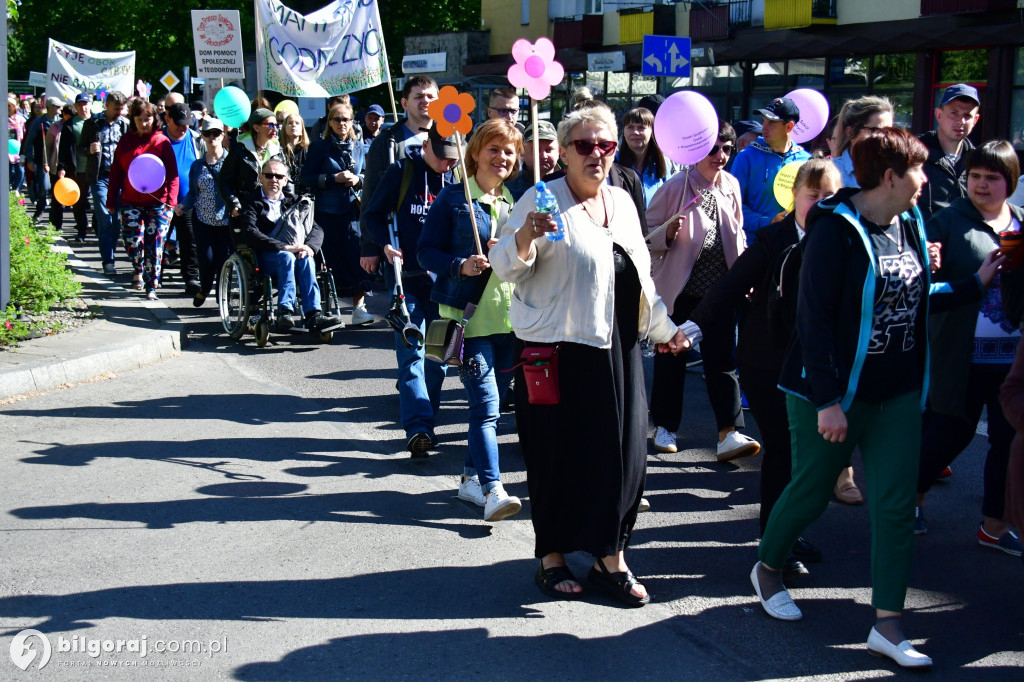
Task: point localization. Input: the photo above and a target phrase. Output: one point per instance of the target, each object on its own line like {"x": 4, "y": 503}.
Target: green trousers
{"x": 889, "y": 437}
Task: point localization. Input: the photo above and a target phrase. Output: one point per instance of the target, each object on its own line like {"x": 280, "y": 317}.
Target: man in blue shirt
{"x": 757, "y": 165}
{"x": 188, "y": 146}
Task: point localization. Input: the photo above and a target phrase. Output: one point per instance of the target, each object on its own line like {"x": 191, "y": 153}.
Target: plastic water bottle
{"x": 546, "y": 203}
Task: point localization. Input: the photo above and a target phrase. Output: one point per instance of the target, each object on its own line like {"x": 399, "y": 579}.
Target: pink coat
{"x": 673, "y": 263}
{"x": 1011, "y": 397}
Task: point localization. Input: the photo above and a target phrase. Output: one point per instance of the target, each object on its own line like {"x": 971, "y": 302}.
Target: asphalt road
{"x": 264, "y": 496}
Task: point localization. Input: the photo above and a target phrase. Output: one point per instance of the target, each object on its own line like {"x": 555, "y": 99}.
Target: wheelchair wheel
{"x": 325, "y": 337}
{"x": 262, "y": 332}
{"x": 233, "y": 296}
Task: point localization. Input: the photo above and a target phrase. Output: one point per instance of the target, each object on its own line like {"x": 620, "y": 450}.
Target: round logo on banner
{"x": 216, "y": 31}
{"x": 784, "y": 181}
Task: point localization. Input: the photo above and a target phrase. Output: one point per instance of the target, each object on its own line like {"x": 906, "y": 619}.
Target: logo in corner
{"x": 22, "y": 654}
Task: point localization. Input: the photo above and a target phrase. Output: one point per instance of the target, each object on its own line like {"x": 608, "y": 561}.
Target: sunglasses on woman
{"x": 270, "y": 124}
{"x": 727, "y": 148}
{"x": 586, "y": 147}
{"x": 339, "y": 119}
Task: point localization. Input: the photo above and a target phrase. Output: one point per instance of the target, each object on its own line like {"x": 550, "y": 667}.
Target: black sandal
{"x": 617, "y": 585}
{"x": 549, "y": 578}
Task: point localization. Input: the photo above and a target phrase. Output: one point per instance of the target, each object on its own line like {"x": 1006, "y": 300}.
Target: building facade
{"x": 747, "y": 52}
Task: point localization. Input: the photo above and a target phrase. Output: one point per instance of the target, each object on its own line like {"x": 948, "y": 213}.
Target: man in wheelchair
{"x": 291, "y": 261}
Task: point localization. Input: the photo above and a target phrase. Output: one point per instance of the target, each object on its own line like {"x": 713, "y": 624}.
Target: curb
{"x": 101, "y": 348}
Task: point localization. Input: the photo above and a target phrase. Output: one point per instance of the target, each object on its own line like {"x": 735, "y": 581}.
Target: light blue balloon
{"x": 231, "y": 106}
{"x": 13, "y": 146}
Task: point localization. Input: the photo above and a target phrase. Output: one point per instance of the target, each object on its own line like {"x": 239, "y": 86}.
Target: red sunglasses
{"x": 586, "y": 147}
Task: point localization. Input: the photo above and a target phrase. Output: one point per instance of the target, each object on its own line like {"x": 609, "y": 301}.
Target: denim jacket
{"x": 446, "y": 242}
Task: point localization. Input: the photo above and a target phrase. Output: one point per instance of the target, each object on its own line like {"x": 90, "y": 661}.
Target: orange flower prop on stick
{"x": 450, "y": 113}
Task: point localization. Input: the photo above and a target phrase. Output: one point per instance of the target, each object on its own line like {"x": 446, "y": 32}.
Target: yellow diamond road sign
{"x": 169, "y": 80}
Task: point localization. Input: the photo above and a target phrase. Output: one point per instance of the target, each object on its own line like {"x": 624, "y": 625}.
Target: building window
{"x": 1017, "y": 104}
{"x": 962, "y": 66}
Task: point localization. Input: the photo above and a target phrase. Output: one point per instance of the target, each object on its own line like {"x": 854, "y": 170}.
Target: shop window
{"x": 770, "y": 76}
{"x": 807, "y": 73}
{"x": 893, "y": 71}
{"x": 849, "y": 72}
{"x": 1017, "y": 102}
{"x": 962, "y": 66}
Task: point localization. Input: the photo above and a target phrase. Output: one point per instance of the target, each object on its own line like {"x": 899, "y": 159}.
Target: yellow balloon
{"x": 288, "y": 106}
{"x": 784, "y": 182}
{"x": 66, "y": 192}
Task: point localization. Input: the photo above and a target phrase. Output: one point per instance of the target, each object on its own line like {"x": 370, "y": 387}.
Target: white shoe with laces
{"x": 664, "y": 440}
{"x": 470, "y": 490}
{"x": 736, "y": 445}
{"x": 500, "y": 505}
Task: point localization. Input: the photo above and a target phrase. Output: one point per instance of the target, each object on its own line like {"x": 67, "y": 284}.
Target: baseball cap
{"x": 960, "y": 90}
{"x": 375, "y": 109}
{"x": 260, "y": 115}
{"x": 545, "y": 131}
{"x": 444, "y": 148}
{"x": 211, "y": 123}
{"x": 82, "y": 97}
{"x": 780, "y": 109}
{"x": 650, "y": 103}
{"x": 744, "y": 127}
{"x": 198, "y": 105}
{"x": 54, "y": 102}
{"x": 178, "y": 113}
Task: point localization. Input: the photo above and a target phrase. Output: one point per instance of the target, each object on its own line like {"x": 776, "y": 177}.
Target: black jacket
{"x": 759, "y": 344}
{"x": 384, "y": 151}
{"x": 946, "y": 182}
{"x": 255, "y": 226}
{"x": 426, "y": 185}
{"x": 240, "y": 174}
{"x": 836, "y": 299}
{"x": 67, "y": 151}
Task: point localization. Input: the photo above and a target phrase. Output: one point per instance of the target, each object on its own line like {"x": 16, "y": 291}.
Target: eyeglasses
{"x": 274, "y": 176}
{"x": 270, "y": 124}
{"x": 727, "y": 148}
{"x": 339, "y": 119}
{"x": 586, "y": 147}
{"x": 503, "y": 111}
{"x": 213, "y": 133}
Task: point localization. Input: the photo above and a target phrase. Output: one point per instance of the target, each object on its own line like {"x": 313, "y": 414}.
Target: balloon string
{"x": 684, "y": 209}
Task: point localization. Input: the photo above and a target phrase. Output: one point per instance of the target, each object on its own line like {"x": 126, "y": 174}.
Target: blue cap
{"x": 960, "y": 90}
{"x": 744, "y": 127}
{"x": 82, "y": 97}
{"x": 376, "y": 109}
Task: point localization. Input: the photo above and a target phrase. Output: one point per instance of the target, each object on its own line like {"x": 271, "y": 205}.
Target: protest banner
{"x": 336, "y": 50}
{"x": 217, "y": 37}
{"x": 71, "y": 70}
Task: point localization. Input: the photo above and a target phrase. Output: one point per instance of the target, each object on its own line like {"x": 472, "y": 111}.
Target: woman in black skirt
{"x": 590, "y": 296}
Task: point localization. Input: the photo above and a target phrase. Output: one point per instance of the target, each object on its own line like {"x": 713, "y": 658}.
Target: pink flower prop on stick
{"x": 535, "y": 69}
{"x": 450, "y": 111}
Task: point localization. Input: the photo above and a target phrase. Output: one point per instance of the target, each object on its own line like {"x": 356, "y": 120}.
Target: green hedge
{"x": 40, "y": 278}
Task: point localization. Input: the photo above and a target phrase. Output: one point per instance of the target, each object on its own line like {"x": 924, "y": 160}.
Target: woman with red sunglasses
{"x": 702, "y": 213}
{"x": 590, "y": 297}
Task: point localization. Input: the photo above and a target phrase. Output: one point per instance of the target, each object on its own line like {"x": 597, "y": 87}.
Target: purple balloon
{"x": 686, "y": 127}
{"x": 813, "y": 114}
{"x": 146, "y": 173}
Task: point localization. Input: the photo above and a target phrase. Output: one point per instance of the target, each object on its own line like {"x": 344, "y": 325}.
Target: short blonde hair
{"x": 598, "y": 115}
{"x": 491, "y": 129}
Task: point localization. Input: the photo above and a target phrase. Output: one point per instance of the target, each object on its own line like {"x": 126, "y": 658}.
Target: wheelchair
{"x": 245, "y": 297}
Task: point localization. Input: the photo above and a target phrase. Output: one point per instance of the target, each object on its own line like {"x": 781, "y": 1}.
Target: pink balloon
{"x": 146, "y": 173}
{"x": 813, "y": 114}
{"x": 686, "y": 127}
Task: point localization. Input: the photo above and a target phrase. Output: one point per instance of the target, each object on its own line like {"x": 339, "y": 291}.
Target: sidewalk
{"x": 129, "y": 332}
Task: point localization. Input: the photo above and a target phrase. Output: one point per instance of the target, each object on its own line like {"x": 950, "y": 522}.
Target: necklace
{"x": 897, "y": 240}
{"x": 583, "y": 205}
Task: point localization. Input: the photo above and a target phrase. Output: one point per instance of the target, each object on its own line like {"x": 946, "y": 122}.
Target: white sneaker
{"x": 500, "y": 505}
{"x": 645, "y": 505}
{"x": 470, "y": 490}
{"x": 664, "y": 440}
{"x": 736, "y": 445}
{"x": 360, "y": 315}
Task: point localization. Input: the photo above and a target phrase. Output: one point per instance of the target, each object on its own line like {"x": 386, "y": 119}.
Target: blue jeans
{"x": 17, "y": 176}
{"x": 419, "y": 379}
{"x": 41, "y": 183}
{"x": 483, "y": 359}
{"x": 289, "y": 271}
{"x": 108, "y": 225}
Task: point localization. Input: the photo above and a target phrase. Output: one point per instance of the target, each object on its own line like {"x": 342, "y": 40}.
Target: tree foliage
{"x": 161, "y": 33}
